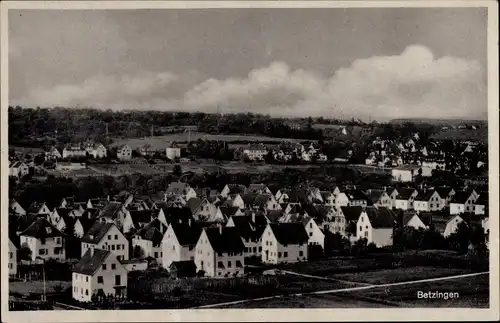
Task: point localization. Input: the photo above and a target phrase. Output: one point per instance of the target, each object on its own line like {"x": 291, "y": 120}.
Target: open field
{"x": 479, "y": 135}
{"x": 161, "y": 142}
{"x": 36, "y": 286}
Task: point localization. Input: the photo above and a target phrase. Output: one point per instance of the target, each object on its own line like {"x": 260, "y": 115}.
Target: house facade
{"x": 12, "y": 258}
{"x": 124, "y": 152}
{"x": 44, "y": 240}
{"x": 179, "y": 243}
{"x": 284, "y": 243}
{"x": 106, "y": 236}
{"x": 376, "y": 225}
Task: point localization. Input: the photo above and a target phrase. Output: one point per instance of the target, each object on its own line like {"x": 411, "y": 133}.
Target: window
{"x": 366, "y": 227}
{"x": 86, "y": 279}
{"x": 254, "y": 249}
{"x": 43, "y": 252}
{"x": 285, "y": 254}
{"x": 42, "y": 241}
{"x": 109, "y": 236}
{"x": 366, "y": 233}
{"x": 58, "y": 240}
{"x": 310, "y": 225}
{"x": 279, "y": 254}
{"x": 156, "y": 255}
{"x": 113, "y": 266}
{"x": 104, "y": 267}
{"x": 220, "y": 264}
{"x": 123, "y": 246}
{"x": 173, "y": 247}
{"x": 10, "y": 255}
{"x": 112, "y": 247}
{"x": 116, "y": 237}
{"x": 118, "y": 247}
{"x": 360, "y": 228}
{"x": 86, "y": 292}
{"x": 301, "y": 253}
{"x": 260, "y": 249}
{"x": 229, "y": 264}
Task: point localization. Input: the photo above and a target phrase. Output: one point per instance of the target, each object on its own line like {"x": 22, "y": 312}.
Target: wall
{"x": 50, "y": 244}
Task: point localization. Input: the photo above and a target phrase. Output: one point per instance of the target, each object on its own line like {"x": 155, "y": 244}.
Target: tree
{"x": 24, "y": 252}
{"x": 177, "y": 170}
{"x": 138, "y": 252}
{"x": 269, "y": 158}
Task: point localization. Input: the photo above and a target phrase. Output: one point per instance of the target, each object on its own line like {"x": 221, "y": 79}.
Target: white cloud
{"x": 412, "y": 84}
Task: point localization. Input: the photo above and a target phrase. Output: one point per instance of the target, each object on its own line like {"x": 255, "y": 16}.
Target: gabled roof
{"x": 86, "y": 223}
{"x": 187, "y": 234}
{"x": 90, "y": 263}
{"x": 249, "y": 198}
{"x": 289, "y": 233}
{"x": 444, "y": 191}
{"x": 355, "y": 195}
{"x": 261, "y": 200}
{"x": 35, "y": 207}
{"x": 351, "y": 213}
{"x": 253, "y": 188}
{"x": 483, "y": 199}
{"x": 461, "y": 197}
{"x": 225, "y": 239}
{"x": 111, "y": 210}
{"x": 151, "y": 233}
{"x": 249, "y": 229}
{"x": 424, "y": 196}
{"x": 375, "y": 195}
{"x": 405, "y": 193}
{"x": 184, "y": 268}
{"x": 228, "y": 211}
{"x": 236, "y": 188}
{"x": 40, "y": 229}
{"x": 194, "y": 203}
{"x": 440, "y": 221}
{"x": 177, "y": 188}
{"x": 141, "y": 217}
{"x": 63, "y": 212}
{"x": 380, "y": 217}
{"x": 97, "y": 232}
{"x": 178, "y": 215}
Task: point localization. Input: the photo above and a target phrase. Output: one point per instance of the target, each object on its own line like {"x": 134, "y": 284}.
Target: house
{"x": 12, "y": 258}
{"x": 406, "y": 198}
{"x": 233, "y": 189}
{"x": 52, "y": 154}
{"x": 427, "y": 201}
{"x": 18, "y": 169}
{"x": 413, "y": 220}
{"x": 44, "y": 241}
{"x": 74, "y": 151}
{"x": 99, "y": 272}
{"x": 97, "y": 203}
{"x": 463, "y": 202}
{"x": 204, "y": 211}
{"x": 234, "y": 200}
{"x": 481, "y": 206}
{"x": 16, "y": 208}
{"x": 124, "y": 152}
{"x": 135, "y": 220}
{"x": 255, "y": 152}
{"x": 97, "y": 150}
{"x": 378, "y": 198}
{"x": 265, "y": 202}
{"x": 376, "y": 225}
{"x": 182, "y": 269}
{"x": 341, "y": 200}
{"x": 67, "y": 166}
{"x": 231, "y": 211}
{"x": 356, "y": 198}
{"x": 345, "y": 220}
{"x": 284, "y": 243}
{"x": 173, "y": 151}
{"x": 147, "y": 150}
{"x": 315, "y": 234}
{"x": 250, "y": 229}
{"x": 258, "y": 189}
{"x": 220, "y": 252}
{"x": 183, "y": 190}
{"x": 82, "y": 226}
{"x": 404, "y": 173}
{"x": 135, "y": 264}
{"x": 429, "y": 165}
{"x": 106, "y": 236}
{"x": 445, "y": 224}
{"x": 393, "y": 193}
{"x": 149, "y": 239}
{"x": 446, "y": 194}
{"x": 179, "y": 242}
{"x": 114, "y": 212}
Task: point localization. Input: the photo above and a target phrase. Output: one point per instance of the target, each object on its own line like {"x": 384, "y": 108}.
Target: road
{"x": 343, "y": 290}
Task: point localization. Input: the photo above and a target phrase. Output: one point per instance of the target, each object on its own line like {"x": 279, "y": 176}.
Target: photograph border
{"x": 276, "y": 315}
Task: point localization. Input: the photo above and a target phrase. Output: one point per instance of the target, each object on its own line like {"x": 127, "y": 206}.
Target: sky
{"x": 368, "y": 63}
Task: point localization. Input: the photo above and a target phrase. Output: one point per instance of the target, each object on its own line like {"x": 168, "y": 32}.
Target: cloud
{"x": 411, "y": 84}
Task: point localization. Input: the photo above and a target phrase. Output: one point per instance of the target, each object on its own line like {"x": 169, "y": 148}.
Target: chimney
{"x": 220, "y": 228}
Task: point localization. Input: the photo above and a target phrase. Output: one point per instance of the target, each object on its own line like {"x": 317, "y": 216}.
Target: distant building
{"x": 404, "y": 173}
{"x": 124, "y": 152}
{"x": 97, "y": 150}
{"x": 255, "y": 152}
{"x": 71, "y": 151}
{"x": 65, "y": 166}
{"x": 173, "y": 151}
{"x": 147, "y": 150}
{"x": 376, "y": 225}
{"x": 106, "y": 236}
{"x": 18, "y": 169}
{"x": 284, "y": 243}
{"x": 52, "y": 154}
{"x": 12, "y": 258}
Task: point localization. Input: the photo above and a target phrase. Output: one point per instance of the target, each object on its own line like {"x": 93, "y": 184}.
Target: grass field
{"x": 36, "y": 286}
{"x": 479, "y": 135}
{"x": 161, "y": 142}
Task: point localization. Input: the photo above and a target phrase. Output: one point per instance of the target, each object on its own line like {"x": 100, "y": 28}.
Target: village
{"x": 198, "y": 232}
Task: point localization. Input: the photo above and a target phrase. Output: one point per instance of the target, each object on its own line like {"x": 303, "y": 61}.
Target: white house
{"x": 220, "y": 252}
{"x": 149, "y": 239}
{"x": 316, "y": 236}
{"x": 235, "y": 200}
{"x": 255, "y": 152}
{"x": 71, "y": 151}
{"x": 284, "y": 243}
{"x": 12, "y": 259}
{"x": 124, "y": 152}
{"x": 429, "y": 166}
{"x": 233, "y": 189}
{"x": 18, "y": 169}
{"x": 481, "y": 206}
{"x": 173, "y": 152}
{"x": 44, "y": 241}
{"x": 341, "y": 200}
{"x": 405, "y": 199}
{"x": 427, "y": 201}
{"x": 183, "y": 190}
{"x": 97, "y": 150}
{"x": 204, "y": 211}
{"x": 52, "y": 154}
{"x": 39, "y": 208}
{"x": 413, "y": 220}
{"x": 446, "y": 224}
{"x": 463, "y": 202}
{"x": 376, "y": 225}
{"x": 379, "y": 198}
{"x": 106, "y": 236}
{"x": 446, "y": 194}
{"x": 98, "y": 272}
{"x": 404, "y": 173}
{"x": 179, "y": 242}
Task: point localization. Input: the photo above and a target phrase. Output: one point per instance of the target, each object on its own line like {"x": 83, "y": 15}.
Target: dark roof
{"x": 151, "y": 233}
{"x": 178, "y": 215}
{"x": 273, "y": 215}
{"x": 34, "y": 207}
{"x": 194, "y": 203}
{"x": 254, "y": 188}
{"x": 184, "y": 268}
{"x": 141, "y": 217}
{"x": 405, "y": 193}
{"x": 380, "y": 217}
{"x": 249, "y": 229}
{"x": 186, "y": 234}
{"x": 461, "y": 197}
{"x": 91, "y": 213}
{"x": 97, "y": 232}
{"x": 351, "y": 213}
{"x": 483, "y": 199}
{"x": 41, "y": 228}
{"x": 443, "y": 191}
{"x": 225, "y": 239}
{"x": 439, "y": 221}
{"x": 89, "y": 264}
{"x": 355, "y": 195}
{"x": 63, "y": 212}
{"x": 86, "y": 223}
{"x": 249, "y": 198}
{"x": 111, "y": 210}
{"x": 424, "y": 196}
{"x": 261, "y": 200}
{"x": 228, "y": 210}
{"x": 290, "y": 233}
{"x": 375, "y": 195}
{"x": 236, "y": 188}
{"x": 176, "y": 188}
